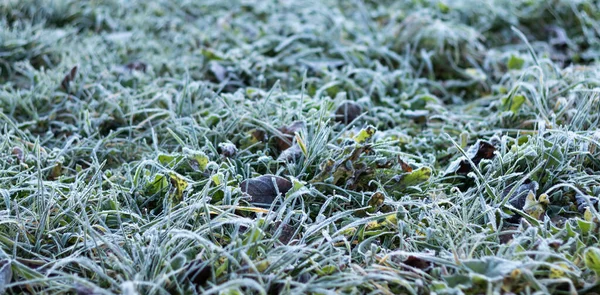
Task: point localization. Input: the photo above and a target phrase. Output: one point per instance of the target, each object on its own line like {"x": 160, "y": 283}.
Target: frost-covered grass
{"x": 299, "y": 147}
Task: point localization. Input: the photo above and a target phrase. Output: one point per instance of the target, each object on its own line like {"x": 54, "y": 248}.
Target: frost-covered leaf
{"x": 347, "y": 112}
{"x": 264, "y": 189}
{"x": 365, "y": 134}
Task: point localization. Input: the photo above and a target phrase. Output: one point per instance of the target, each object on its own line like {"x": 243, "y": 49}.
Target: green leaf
{"x": 591, "y": 257}
{"x": 326, "y": 270}
{"x": 197, "y": 159}
{"x": 513, "y": 103}
{"x": 515, "y": 63}
{"x": 169, "y": 159}
{"x": 493, "y": 268}
{"x": 417, "y": 176}
{"x": 159, "y": 183}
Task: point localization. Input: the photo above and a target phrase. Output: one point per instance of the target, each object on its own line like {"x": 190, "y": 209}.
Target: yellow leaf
{"x": 179, "y": 184}
{"x": 587, "y": 215}
{"x": 365, "y": 134}
{"x": 535, "y": 208}
{"x": 558, "y": 271}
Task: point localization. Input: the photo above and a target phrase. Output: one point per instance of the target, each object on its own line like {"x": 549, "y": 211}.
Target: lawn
{"x": 299, "y": 147}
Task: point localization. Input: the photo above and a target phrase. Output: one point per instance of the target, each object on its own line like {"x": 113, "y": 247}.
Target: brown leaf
{"x": 477, "y": 152}
{"x": 262, "y": 190}
{"x": 417, "y": 262}
{"x": 18, "y": 153}
{"x": 288, "y": 132}
{"x": 227, "y": 149}
{"x": 291, "y": 154}
{"x": 5, "y": 275}
{"x": 507, "y": 236}
{"x": 68, "y": 78}
{"x": 517, "y": 200}
{"x": 519, "y": 197}
{"x": 405, "y": 166}
{"x": 347, "y": 112}
{"x": 259, "y": 135}
{"x": 197, "y": 272}
{"x": 375, "y": 202}
{"x": 136, "y": 66}
{"x": 287, "y": 232}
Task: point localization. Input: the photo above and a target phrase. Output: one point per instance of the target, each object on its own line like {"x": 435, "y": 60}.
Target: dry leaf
{"x": 347, "y": 112}
{"x": 264, "y": 189}
{"x": 68, "y": 78}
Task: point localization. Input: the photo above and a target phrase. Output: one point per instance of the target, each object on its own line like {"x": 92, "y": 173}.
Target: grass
{"x": 465, "y": 158}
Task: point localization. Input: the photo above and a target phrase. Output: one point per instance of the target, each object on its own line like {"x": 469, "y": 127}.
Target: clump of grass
{"x": 129, "y": 129}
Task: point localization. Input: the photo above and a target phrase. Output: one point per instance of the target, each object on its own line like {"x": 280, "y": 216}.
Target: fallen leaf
{"x": 477, "y": 152}
{"x": 136, "y": 66}
{"x": 18, "y": 153}
{"x": 507, "y": 234}
{"x": 264, "y": 189}
{"x": 227, "y": 149}
{"x": 535, "y": 207}
{"x": 365, "y": 134}
{"x": 417, "y": 262}
{"x": 286, "y": 233}
{"x": 291, "y": 154}
{"x": 413, "y": 178}
{"x": 582, "y": 202}
{"x": 288, "y": 133}
{"x": 347, "y": 112}
{"x": 405, "y": 167}
{"x": 519, "y": 197}
{"x": 198, "y": 272}
{"x": 179, "y": 184}
{"x": 5, "y": 275}
{"x": 375, "y": 202}
{"x": 68, "y": 78}
{"x": 258, "y": 135}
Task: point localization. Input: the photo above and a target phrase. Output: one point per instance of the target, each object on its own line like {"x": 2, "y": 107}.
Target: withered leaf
{"x": 227, "y": 149}
{"x": 264, "y": 189}
{"x": 18, "y": 153}
{"x": 507, "y": 234}
{"x": 288, "y": 134}
{"x": 517, "y": 200}
{"x": 347, "y": 112}
{"x": 218, "y": 70}
{"x": 287, "y": 232}
{"x": 198, "y": 272}
{"x": 68, "y": 78}
{"x": 417, "y": 262}
{"x": 258, "y": 135}
{"x": 519, "y": 197}
{"x": 477, "y": 152}
{"x": 5, "y": 275}
{"x": 375, "y": 202}
{"x": 136, "y": 66}
{"x": 405, "y": 167}
{"x": 291, "y": 154}
{"x": 582, "y": 203}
